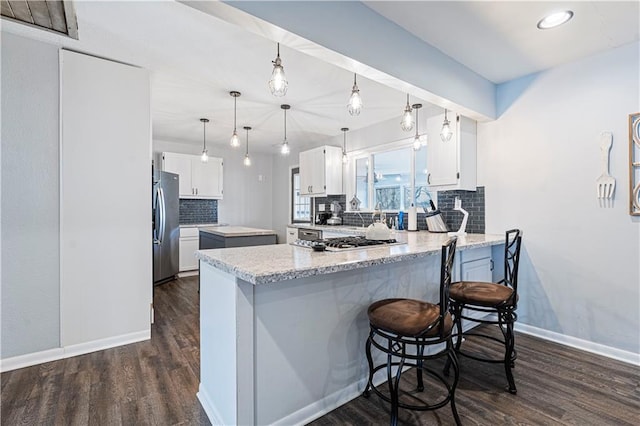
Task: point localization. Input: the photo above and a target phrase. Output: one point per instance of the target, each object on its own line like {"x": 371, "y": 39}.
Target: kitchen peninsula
{"x": 283, "y": 328}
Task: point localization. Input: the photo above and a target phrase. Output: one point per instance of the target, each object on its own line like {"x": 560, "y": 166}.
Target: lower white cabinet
{"x": 292, "y": 235}
{"x": 189, "y": 244}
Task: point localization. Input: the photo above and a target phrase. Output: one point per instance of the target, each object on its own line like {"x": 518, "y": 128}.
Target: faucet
{"x": 361, "y": 218}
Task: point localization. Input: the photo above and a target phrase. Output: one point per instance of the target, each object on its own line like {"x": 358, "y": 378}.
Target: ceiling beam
{"x": 352, "y": 36}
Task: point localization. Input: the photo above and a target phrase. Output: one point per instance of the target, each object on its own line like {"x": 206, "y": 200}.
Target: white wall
{"x": 539, "y": 162}
{"x": 30, "y": 197}
{"x": 247, "y": 197}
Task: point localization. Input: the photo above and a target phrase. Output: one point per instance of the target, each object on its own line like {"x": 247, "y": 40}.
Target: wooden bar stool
{"x": 401, "y": 324}
{"x": 499, "y": 299}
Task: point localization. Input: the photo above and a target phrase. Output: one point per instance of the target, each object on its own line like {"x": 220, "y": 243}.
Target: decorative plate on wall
{"x": 634, "y": 164}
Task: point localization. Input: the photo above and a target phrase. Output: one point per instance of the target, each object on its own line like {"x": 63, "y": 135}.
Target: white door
{"x": 442, "y": 157}
{"x": 207, "y": 177}
{"x": 105, "y": 202}
{"x": 181, "y": 165}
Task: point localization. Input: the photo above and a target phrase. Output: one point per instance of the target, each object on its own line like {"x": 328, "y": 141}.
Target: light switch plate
{"x": 321, "y": 207}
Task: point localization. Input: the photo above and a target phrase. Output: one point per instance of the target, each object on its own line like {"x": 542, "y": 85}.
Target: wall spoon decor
{"x": 634, "y": 164}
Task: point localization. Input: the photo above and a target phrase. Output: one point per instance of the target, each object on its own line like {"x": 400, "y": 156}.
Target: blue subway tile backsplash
{"x": 193, "y": 212}
{"x": 472, "y": 202}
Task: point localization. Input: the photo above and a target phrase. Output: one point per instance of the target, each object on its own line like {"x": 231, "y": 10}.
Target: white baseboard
{"x": 585, "y": 345}
{"x": 49, "y": 355}
{"x": 188, "y": 273}
{"x": 207, "y": 405}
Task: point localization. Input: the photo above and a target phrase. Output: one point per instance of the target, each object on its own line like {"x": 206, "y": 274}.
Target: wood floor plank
{"x": 155, "y": 383}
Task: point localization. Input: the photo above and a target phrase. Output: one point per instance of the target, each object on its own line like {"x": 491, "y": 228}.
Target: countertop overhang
{"x": 273, "y": 263}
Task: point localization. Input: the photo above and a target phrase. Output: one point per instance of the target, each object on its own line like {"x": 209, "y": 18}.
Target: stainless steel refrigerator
{"x": 166, "y": 230}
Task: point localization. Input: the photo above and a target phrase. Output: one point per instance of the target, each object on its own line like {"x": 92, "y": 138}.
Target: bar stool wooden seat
{"x": 498, "y": 299}
{"x": 402, "y": 329}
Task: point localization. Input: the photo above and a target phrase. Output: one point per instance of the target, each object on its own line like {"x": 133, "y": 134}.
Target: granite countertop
{"x": 237, "y": 231}
{"x": 273, "y": 263}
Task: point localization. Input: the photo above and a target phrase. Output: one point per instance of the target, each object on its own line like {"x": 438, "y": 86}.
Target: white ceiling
{"x": 499, "y": 39}
{"x": 195, "y": 59}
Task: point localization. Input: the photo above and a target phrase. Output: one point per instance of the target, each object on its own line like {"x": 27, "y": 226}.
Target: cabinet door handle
{"x": 196, "y": 191}
{"x": 491, "y": 264}
{"x": 429, "y": 178}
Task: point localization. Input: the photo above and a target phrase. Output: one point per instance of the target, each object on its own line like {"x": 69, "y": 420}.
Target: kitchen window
{"x": 300, "y": 205}
{"x": 393, "y": 176}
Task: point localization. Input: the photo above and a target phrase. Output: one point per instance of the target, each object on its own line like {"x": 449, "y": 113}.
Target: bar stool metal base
{"x": 396, "y": 347}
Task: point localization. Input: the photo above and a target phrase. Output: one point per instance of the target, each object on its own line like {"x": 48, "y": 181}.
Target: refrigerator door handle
{"x": 163, "y": 216}
{"x": 156, "y": 214}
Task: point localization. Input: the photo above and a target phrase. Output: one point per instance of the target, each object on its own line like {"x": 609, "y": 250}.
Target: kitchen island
{"x": 283, "y": 328}
{"x": 235, "y": 236}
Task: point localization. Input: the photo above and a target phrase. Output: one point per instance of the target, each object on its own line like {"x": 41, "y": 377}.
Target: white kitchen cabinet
{"x": 197, "y": 179}
{"x": 452, "y": 164}
{"x": 292, "y": 234}
{"x": 321, "y": 171}
{"x": 189, "y": 244}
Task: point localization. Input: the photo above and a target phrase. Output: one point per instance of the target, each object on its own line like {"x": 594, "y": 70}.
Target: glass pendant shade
{"x": 345, "y": 159}
{"x": 284, "y": 148}
{"x": 407, "y": 118}
{"x": 417, "y": 144}
{"x": 278, "y": 83}
{"x": 446, "y": 132}
{"x": 235, "y": 141}
{"x": 247, "y": 160}
{"x": 205, "y": 155}
{"x": 417, "y": 141}
{"x": 355, "y": 101}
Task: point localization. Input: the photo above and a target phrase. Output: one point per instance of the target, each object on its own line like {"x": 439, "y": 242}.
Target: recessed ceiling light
{"x": 555, "y": 19}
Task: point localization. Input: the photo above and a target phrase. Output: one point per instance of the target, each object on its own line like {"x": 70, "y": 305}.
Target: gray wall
{"x": 30, "y": 197}
{"x": 539, "y": 163}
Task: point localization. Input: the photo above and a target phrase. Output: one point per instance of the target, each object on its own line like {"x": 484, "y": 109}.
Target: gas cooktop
{"x": 345, "y": 243}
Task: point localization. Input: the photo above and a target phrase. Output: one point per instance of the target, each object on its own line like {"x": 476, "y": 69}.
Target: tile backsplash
{"x": 472, "y": 202}
{"x": 193, "y": 212}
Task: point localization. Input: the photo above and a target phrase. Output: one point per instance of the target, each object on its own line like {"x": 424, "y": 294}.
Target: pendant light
{"x": 247, "y": 160}
{"x": 407, "y": 119}
{"x": 284, "y": 149}
{"x": 205, "y": 156}
{"x": 278, "y": 83}
{"x": 446, "y": 132}
{"x": 235, "y": 140}
{"x": 344, "y": 145}
{"x": 417, "y": 143}
{"x": 355, "y": 101}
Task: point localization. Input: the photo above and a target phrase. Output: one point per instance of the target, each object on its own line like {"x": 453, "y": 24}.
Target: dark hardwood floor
{"x": 155, "y": 382}
{"x": 147, "y": 383}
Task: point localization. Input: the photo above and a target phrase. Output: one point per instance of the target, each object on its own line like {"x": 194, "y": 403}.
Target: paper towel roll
{"x": 413, "y": 218}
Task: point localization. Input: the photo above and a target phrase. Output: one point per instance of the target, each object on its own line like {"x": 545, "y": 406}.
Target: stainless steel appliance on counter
{"x": 344, "y": 243}
{"x": 166, "y": 229}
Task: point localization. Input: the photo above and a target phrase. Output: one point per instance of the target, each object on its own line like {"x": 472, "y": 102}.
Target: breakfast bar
{"x": 283, "y": 328}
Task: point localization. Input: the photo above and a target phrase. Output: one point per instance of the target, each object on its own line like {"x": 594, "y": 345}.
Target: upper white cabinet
{"x": 452, "y": 164}
{"x": 321, "y": 171}
{"x": 197, "y": 179}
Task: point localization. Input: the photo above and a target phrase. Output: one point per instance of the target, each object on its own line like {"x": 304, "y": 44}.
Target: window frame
{"x": 369, "y": 154}
{"x": 293, "y": 171}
